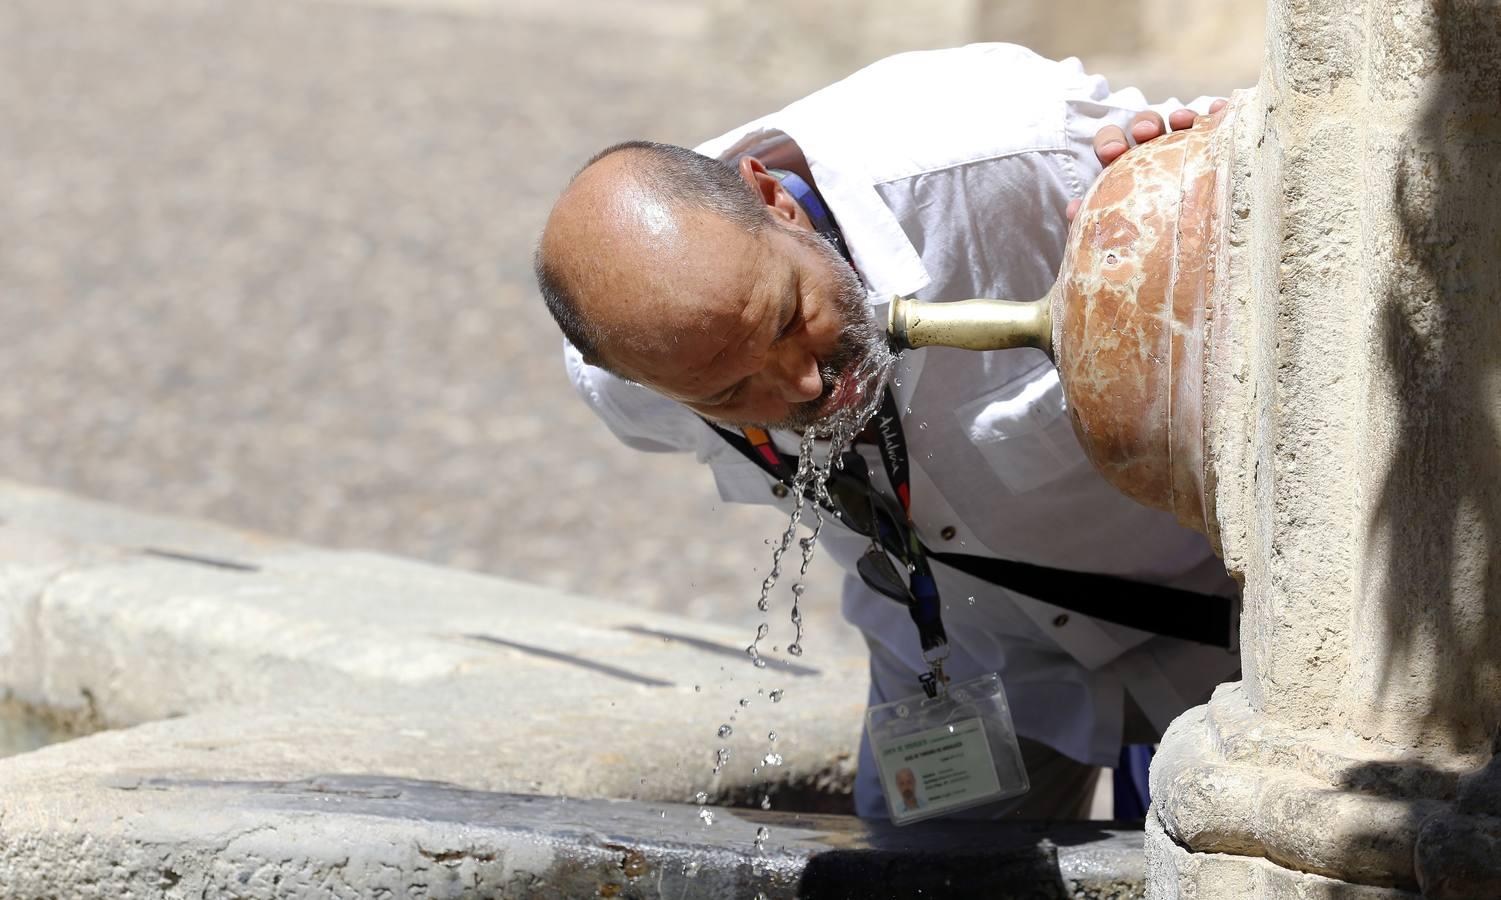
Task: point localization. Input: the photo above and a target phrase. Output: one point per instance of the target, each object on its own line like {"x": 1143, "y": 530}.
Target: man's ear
{"x": 766, "y": 186}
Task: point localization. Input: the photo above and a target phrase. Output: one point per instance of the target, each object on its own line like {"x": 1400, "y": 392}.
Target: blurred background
{"x": 268, "y": 261}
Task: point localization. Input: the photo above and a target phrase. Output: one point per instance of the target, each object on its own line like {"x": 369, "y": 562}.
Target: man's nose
{"x": 798, "y": 376}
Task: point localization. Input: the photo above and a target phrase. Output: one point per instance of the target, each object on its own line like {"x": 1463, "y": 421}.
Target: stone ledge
{"x": 257, "y": 658}
{"x": 372, "y": 836}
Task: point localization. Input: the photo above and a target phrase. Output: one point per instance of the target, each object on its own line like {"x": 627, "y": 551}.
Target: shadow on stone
{"x": 556, "y": 656}
{"x": 1439, "y": 506}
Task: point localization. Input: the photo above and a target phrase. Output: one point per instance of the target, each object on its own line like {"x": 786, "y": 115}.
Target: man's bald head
{"x": 708, "y": 285}
{"x": 631, "y": 226}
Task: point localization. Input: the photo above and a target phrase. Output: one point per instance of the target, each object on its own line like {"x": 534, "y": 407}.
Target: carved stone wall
{"x": 1355, "y": 472}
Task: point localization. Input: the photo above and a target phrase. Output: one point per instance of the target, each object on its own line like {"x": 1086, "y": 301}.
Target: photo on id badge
{"x": 946, "y": 753}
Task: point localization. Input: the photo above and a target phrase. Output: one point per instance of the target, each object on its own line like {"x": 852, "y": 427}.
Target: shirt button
{"x": 948, "y": 532}
{"x": 779, "y": 490}
{"x": 1061, "y": 620}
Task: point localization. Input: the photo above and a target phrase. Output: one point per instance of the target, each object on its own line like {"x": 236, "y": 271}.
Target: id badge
{"x": 942, "y": 754}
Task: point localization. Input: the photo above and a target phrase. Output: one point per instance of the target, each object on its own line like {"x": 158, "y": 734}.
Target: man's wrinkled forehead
{"x": 695, "y": 315}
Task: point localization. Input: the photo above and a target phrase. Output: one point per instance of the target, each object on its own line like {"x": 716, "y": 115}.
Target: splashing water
{"x": 866, "y": 386}
{"x": 869, "y": 379}
{"x": 762, "y": 834}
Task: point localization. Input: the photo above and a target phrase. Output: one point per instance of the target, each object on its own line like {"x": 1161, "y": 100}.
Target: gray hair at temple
{"x": 676, "y": 175}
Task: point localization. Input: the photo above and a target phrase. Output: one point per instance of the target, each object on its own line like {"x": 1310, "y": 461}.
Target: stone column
{"x": 1353, "y": 471}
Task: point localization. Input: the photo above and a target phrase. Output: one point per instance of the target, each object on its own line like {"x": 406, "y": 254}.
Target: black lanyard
{"x": 921, "y": 594}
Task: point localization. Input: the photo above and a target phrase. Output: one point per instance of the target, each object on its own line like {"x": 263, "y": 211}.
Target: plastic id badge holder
{"x": 937, "y": 755}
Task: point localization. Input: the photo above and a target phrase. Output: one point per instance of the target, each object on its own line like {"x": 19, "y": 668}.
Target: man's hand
{"x": 1147, "y": 125}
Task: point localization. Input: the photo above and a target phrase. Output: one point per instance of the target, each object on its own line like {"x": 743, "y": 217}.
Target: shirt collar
{"x": 881, "y": 251}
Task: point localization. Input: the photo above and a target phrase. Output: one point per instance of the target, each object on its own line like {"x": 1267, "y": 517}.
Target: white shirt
{"x": 948, "y": 173}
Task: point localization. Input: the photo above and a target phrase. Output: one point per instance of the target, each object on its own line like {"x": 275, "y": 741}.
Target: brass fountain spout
{"x": 972, "y": 324}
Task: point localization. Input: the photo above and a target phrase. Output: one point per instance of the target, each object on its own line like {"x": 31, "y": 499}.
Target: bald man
{"x": 720, "y": 301}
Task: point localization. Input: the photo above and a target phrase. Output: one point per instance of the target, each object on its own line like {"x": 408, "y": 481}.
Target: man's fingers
{"x": 1216, "y": 106}
{"x": 1147, "y": 126}
{"x": 1072, "y": 210}
{"x": 1180, "y": 119}
{"x": 1109, "y": 144}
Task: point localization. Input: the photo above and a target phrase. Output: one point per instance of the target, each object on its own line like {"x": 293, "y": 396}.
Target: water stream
{"x": 871, "y": 376}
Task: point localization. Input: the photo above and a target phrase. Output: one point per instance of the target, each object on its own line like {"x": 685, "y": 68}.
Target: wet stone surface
{"x": 448, "y": 841}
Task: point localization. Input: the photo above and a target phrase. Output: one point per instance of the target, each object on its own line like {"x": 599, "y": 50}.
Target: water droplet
{"x": 795, "y": 649}
{"x": 662, "y": 814}
{"x": 725, "y": 731}
{"x": 762, "y": 631}
{"x": 909, "y": 411}
{"x": 763, "y": 604}
{"x": 745, "y": 701}
{"x": 798, "y": 589}
{"x": 770, "y": 737}
{"x": 759, "y": 663}
{"x": 706, "y": 816}
{"x": 762, "y": 834}
{"x": 766, "y": 801}
{"x": 697, "y": 688}
{"x": 902, "y": 711}
{"x": 922, "y": 426}
{"x": 690, "y": 869}
{"x": 772, "y": 759}
{"x": 776, "y": 695}
{"x": 951, "y": 729}
{"x": 971, "y": 601}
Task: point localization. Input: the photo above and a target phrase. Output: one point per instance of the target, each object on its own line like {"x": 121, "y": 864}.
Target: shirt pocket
{"x": 1022, "y": 429}
{"x": 740, "y": 481}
